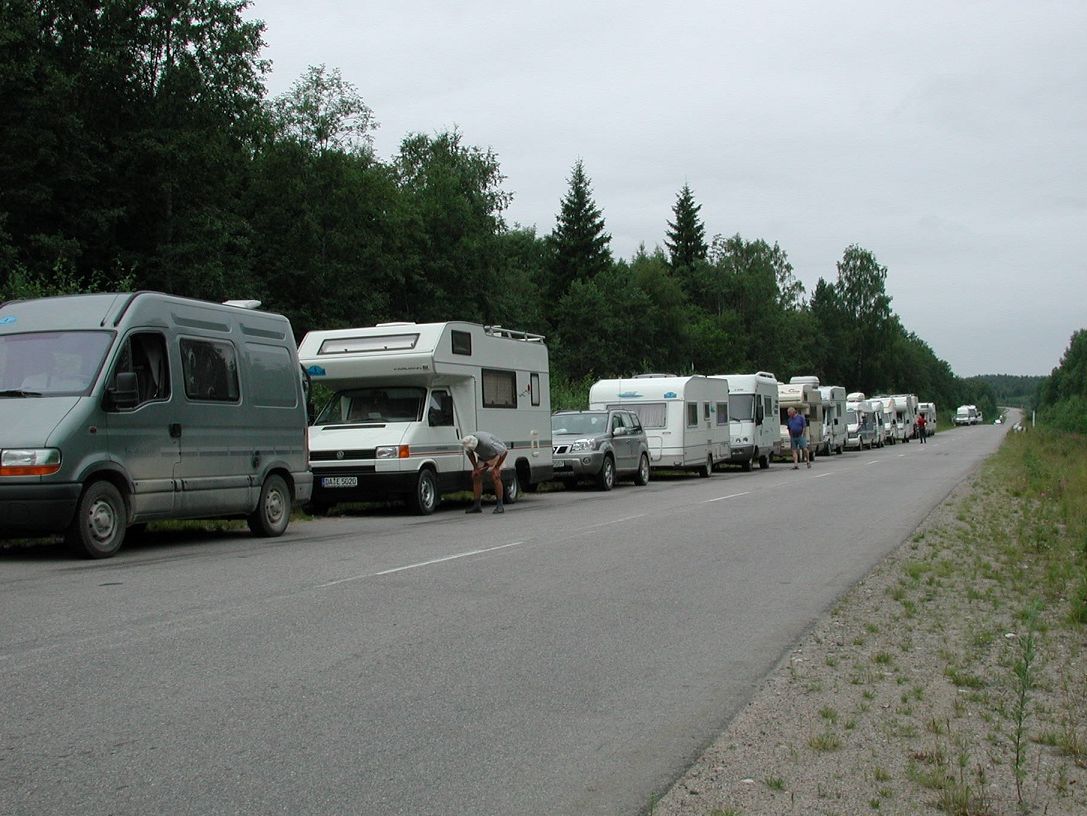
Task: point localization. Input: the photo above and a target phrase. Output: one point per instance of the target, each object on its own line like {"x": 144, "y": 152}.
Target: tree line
{"x": 139, "y": 149}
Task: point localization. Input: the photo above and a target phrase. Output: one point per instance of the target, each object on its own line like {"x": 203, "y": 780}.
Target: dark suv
{"x": 600, "y": 445}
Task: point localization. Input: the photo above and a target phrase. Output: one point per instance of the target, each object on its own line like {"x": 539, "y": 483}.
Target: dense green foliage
{"x": 1062, "y": 396}
{"x": 138, "y": 150}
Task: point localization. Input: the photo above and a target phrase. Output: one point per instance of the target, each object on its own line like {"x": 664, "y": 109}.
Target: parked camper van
{"x": 905, "y": 416}
{"x": 686, "y": 419}
{"x": 928, "y": 411}
{"x": 883, "y": 420}
{"x": 404, "y": 396}
{"x": 119, "y": 409}
{"x": 801, "y": 393}
{"x": 966, "y": 415}
{"x": 752, "y": 409}
{"x": 834, "y": 418}
{"x": 860, "y": 422}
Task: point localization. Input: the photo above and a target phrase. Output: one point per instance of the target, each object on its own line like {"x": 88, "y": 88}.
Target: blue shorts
{"x": 797, "y": 443}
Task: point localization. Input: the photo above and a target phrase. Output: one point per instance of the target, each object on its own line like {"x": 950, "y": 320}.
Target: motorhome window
{"x": 51, "y": 363}
{"x": 534, "y": 387}
{"x": 692, "y": 414}
{"x": 440, "y": 409}
{"x": 379, "y": 404}
{"x": 650, "y": 414}
{"x": 722, "y": 413}
{"x": 273, "y": 376}
{"x": 499, "y": 389}
{"x": 742, "y": 406}
{"x": 589, "y": 423}
{"x": 706, "y": 410}
{"x": 210, "y": 369}
{"x": 356, "y": 345}
{"x": 462, "y": 342}
{"x": 851, "y": 417}
{"x": 144, "y": 354}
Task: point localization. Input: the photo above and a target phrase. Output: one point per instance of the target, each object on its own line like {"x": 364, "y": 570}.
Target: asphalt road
{"x": 570, "y": 657}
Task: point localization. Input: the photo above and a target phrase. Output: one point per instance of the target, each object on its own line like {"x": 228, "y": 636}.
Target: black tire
{"x": 764, "y": 462}
{"x": 511, "y": 490}
{"x": 98, "y": 528}
{"x": 705, "y": 470}
{"x": 641, "y": 477}
{"x": 746, "y": 466}
{"x": 426, "y": 498}
{"x": 605, "y": 479}
{"x": 273, "y": 512}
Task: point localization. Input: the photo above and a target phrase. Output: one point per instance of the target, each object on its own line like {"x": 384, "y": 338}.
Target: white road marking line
{"x": 613, "y": 521}
{"x": 873, "y": 462}
{"x": 821, "y": 475}
{"x": 420, "y": 564}
{"x": 730, "y": 496}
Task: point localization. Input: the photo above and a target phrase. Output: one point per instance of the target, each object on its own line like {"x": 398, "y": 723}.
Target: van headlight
{"x": 583, "y": 445}
{"x": 29, "y": 461}
{"x": 392, "y": 452}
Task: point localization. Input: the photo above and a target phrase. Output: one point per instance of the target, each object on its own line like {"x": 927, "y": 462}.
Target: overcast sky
{"x": 949, "y": 138}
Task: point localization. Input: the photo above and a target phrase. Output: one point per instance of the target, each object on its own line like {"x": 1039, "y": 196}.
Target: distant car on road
{"x": 604, "y": 446}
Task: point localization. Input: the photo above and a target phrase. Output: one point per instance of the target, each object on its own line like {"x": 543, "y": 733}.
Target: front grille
{"x": 560, "y": 449}
{"x": 336, "y": 456}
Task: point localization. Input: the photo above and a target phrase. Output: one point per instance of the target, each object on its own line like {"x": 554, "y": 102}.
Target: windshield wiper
{"x": 18, "y": 392}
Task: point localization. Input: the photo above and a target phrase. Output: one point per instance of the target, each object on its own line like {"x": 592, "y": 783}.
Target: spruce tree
{"x": 579, "y": 244}
{"x": 686, "y": 237}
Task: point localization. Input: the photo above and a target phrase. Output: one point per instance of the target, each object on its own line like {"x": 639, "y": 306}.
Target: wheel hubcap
{"x": 274, "y": 506}
{"x": 102, "y": 521}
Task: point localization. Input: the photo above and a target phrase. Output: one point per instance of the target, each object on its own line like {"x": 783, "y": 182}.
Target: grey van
{"x": 119, "y": 409}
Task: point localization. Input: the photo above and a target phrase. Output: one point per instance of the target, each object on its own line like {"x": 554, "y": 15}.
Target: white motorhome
{"x": 834, "y": 419}
{"x": 966, "y": 415}
{"x": 404, "y": 396}
{"x": 883, "y": 419}
{"x": 686, "y": 419}
{"x": 905, "y": 416}
{"x": 801, "y": 393}
{"x": 752, "y": 407}
{"x": 860, "y": 422}
{"x": 928, "y": 411}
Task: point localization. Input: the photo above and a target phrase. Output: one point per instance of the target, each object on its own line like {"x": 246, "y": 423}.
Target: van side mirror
{"x": 125, "y": 392}
{"x": 619, "y": 432}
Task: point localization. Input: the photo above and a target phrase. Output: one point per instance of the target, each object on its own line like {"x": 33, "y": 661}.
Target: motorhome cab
{"x": 686, "y": 419}
{"x": 860, "y": 424}
{"x": 928, "y": 411}
{"x": 801, "y": 393}
{"x": 966, "y": 415}
{"x": 834, "y": 419}
{"x": 404, "y": 394}
{"x": 752, "y": 407}
{"x": 119, "y": 409}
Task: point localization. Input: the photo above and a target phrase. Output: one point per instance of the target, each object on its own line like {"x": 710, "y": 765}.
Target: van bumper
{"x": 576, "y": 466}
{"x": 741, "y": 453}
{"x": 38, "y": 508}
{"x": 332, "y": 487}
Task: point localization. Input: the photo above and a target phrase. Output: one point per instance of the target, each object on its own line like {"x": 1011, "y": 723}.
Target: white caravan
{"x": 928, "y": 411}
{"x": 883, "y": 418}
{"x": 801, "y": 393}
{"x": 834, "y": 420}
{"x": 405, "y": 394}
{"x": 860, "y": 423}
{"x": 686, "y": 419}
{"x": 752, "y": 407}
{"x": 905, "y": 416}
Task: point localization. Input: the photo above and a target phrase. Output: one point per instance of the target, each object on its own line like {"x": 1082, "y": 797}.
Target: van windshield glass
{"x": 51, "y": 363}
{"x": 377, "y": 404}
{"x": 851, "y": 417}
{"x": 742, "y": 406}
{"x": 586, "y": 423}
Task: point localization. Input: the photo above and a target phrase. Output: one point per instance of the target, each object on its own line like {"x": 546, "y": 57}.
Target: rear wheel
{"x": 746, "y": 466}
{"x": 707, "y": 468}
{"x": 605, "y": 480}
{"x": 426, "y": 497}
{"x": 764, "y": 462}
{"x": 98, "y": 529}
{"x": 273, "y": 512}
{"x": 641, "y": 478}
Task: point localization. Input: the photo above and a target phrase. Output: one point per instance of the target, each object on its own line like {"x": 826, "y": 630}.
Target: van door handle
{"x": 175, "y": 430}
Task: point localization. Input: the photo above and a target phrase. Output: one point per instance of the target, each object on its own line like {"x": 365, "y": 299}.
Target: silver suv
{"x": 600, "y": 445}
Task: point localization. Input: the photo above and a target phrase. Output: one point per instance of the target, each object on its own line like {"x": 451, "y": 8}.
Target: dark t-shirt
{"x": 489, "y": 446}
{"x": 797, "y": 423}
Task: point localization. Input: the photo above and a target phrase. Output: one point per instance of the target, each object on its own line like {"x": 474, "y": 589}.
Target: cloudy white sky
{"x": 948, "y": 138}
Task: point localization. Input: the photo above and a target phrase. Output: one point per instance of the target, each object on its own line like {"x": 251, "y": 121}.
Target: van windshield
{"x": 851, "y": 417}
{"x": 742, "y": 406}
{"x": 585, "y": 423}
{"x": 51, "y": 364}
{"x": 376, "y": 404}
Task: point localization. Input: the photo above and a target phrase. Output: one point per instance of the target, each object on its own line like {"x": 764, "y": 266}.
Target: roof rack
{"x": 513, "y": 334}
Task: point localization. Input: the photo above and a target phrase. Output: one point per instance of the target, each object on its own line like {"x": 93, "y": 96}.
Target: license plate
{"x": 560, "y": 465}
{"x": 340, "y": 481}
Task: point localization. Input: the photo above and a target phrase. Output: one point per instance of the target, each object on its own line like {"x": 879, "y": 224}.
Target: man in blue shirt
{"x": 798, "y": 437}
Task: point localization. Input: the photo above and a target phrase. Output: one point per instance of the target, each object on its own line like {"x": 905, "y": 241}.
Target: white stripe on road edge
{"x": 606, "y": 523}
{"x": 730, "y": 496}
{"x": 821, "y": 475}
{"x": 873, "y": 462}
{"x": 420, "y": 564}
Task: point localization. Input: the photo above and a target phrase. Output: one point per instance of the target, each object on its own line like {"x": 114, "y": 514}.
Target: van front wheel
{"x": 426, "y": 497}
{"x": 273, "y": 512}
{"x": 98, "y": 529}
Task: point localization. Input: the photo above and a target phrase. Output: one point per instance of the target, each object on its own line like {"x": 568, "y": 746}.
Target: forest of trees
{"x": 1062, "y": 396}
{"x": 138, "y": 149}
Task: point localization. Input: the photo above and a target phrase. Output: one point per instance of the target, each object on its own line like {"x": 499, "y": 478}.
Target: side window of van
{"x": 440, "y": 411}
{"x": 144, "y": 354}
{"x": 210, "y": 369}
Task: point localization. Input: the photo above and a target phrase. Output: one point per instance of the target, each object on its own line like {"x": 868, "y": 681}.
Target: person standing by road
{"x": 798, "y": 438}
{"x": 486, "y": 452}
{"x": 921, "y": 425}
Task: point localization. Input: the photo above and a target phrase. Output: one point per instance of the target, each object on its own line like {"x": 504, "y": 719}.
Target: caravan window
{"x": 706, "y": 410}
{"x": 722, "y": 413}
{"x": 692, "y": 414}
{"x": 462, "y": 342}
{"x": 742, "y": 406}
{"x": 353, "y": 345}
{"x": 499, "y": 389}
{"x": 210, "y": 369}
{"x": 534, "y": 387}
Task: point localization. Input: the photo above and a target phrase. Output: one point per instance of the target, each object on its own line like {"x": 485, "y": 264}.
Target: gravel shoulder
{"x": 928, "y": 688}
